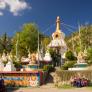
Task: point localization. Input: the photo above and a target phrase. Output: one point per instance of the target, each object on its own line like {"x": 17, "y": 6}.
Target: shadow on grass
{"x": 12, "y": 89}
{"x": 20, "y": 89}
{"x": 90, "y": 86}
{"x": 49, "y": 78}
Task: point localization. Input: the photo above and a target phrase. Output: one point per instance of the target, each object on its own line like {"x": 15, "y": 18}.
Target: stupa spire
{"x": 58, "y": 24}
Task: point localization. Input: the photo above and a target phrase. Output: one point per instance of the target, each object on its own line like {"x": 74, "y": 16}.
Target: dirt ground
{"x": 50, "y": 89}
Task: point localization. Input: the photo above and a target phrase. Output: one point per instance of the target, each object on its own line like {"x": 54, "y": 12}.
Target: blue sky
{"x": 44, "y": 13}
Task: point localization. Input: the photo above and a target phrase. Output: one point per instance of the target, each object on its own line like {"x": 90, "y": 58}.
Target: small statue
{"x": 80, "y": 57}
{"x": 4, "y": 57}
{"x": 33, "y": 59}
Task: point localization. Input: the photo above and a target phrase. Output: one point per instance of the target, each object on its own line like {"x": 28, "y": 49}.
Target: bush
{"x": 89, "y": 56}
{"x": 70, "y": 56}
{"x": 5, "y": 62}
{"x": 65, "y": 86}
{"x": 68, "y": 64}
{"x": 47, "y": 67}
{"x": 17, "y": 64}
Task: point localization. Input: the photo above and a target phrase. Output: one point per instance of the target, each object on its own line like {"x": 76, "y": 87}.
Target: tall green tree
{"x": 86, "y": 36}
{"x": 89, "y": 56}
{"x": 5, "y": 43}
{"x": 27, "y": 39}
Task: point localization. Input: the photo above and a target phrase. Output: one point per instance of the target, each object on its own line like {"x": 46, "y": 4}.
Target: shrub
{"x": 89, "y": 56}
{"x": 70, "y": 56}
{"x": 65, "y": 86}
{"x": 17, "y": 64}
{"x": 67, "y": 65}
{"x": 5, "y": 62}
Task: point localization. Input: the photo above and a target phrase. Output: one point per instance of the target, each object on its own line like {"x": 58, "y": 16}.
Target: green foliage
{"x": 65, "y": 86}
{"x": 67, "y": 65}
{"x": 70, "y": 56}
{"x": 89, "y": 56}
{"x": 85, "y": 38}
{"x": 47, "y": 67}
{"x": 5, "y": 44}
{"x": 27, "y": 39}
{"x": 45, "y": 41}
{"x": 5, "y": 62}
{"x": 17, "y": 64}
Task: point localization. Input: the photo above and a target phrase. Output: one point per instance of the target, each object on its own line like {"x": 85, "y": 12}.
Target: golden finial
{"x": 58, "y": 24}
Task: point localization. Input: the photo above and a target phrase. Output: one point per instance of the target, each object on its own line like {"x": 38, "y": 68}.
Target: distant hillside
{"x": 82, "y": 41}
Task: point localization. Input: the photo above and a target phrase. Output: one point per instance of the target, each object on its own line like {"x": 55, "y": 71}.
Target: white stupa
{"x": 39, "y": 57}
{"x": 58, "y": 38}
{"x": 47, "y": 57}
{"x": 9, "y": 66}
{"x": 1, "y": 66}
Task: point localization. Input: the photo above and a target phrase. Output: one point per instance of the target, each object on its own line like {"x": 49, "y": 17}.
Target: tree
{"x": 5, "y": 44}
{"x": 89, "y": 55}
{"x": 85, "y": 38}
{"x": 45, "y": 41}
{"x": 27, "y": 39}
{"x": 70, "y": 56}
{"x": 68, "y": 65}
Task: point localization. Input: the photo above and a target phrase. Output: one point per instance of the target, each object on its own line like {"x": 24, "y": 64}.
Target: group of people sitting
{"x": 79, "y": 81}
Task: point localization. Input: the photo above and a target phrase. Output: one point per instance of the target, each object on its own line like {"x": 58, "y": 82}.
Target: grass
{"x": 66, "y": 86}
{"x": 89, "y": 87}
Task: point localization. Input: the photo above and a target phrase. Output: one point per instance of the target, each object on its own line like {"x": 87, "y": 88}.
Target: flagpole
{"x": 72, "y": 43}
{"x": 17, "y": 47}
{"x": 79, "y": 37}
{"x": 38, "y": 47}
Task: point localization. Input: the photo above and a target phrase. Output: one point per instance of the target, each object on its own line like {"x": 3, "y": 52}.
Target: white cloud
{"x": 14, "y": 6}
